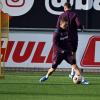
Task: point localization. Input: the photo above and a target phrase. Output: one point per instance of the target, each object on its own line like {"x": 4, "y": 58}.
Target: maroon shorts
{"x": 58, "y": 57}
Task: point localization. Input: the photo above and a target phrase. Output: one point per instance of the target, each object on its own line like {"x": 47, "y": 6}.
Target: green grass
{"x": 26, "y": 86}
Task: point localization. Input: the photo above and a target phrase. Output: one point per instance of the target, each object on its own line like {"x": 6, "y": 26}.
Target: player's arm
{"x": 75, "y": 44}
{"x": 58, "y": 21}
{"x": 78, "y": 23}
{"x": 56, "y": 42}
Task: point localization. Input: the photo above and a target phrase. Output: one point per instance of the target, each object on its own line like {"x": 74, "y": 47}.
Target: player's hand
{"x": 74, "y": 54}
{"x": 62, "y": 51}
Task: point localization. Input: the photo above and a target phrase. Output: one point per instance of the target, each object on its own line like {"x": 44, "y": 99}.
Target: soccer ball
{"x": 77, "y": 79}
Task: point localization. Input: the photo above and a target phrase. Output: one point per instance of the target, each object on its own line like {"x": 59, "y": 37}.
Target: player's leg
{"x": 50, "y": 71}
{"x": 57, "y": 59}
{"x": 71, "y": 75}
{"x": 76, "y": 69}
{"x": 78, "y": 72}
{"x": 83, "y": 81}
{"x": 70, "y": 58}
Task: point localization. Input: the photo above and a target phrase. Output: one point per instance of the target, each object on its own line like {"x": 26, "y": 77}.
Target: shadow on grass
{"x": 49, "y": 94}
{"x": 45, "y": 83}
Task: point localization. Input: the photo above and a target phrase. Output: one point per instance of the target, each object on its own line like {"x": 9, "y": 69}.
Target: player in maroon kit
{"x": 62, "y": 49}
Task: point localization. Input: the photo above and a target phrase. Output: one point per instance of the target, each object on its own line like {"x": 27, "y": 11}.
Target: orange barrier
{"x": 4, "y": 30}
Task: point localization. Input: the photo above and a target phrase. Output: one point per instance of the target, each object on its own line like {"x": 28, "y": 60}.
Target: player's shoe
{"x": 43, "y": 79}
{"x": 85, "y": 82}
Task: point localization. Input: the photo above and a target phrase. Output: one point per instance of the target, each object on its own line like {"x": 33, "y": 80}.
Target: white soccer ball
{"x": 77, "y": 79}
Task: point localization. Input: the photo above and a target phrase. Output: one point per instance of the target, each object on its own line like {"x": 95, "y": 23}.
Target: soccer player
{"x": 63, "y": 49}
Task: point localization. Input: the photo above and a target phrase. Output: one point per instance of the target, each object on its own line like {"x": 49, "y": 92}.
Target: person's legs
{"x": 57, "y": 59}
{"x": 71, "y": 75}
{"x": 76, "y": 69}
{"x": 78, "y": 73}
{"x": 50, "y": 71}
{"x": 71, "y": 59}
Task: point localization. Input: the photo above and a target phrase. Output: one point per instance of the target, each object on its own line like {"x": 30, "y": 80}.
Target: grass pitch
{"x": 26, "y": 86}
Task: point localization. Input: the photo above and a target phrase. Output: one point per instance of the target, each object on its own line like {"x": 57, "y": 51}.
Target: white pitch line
{"x": 93, "y": 77}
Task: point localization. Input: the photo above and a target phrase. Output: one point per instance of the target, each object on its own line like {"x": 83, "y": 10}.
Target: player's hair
{"x": 63, "y": 19}
{"x": 68, "y": 5}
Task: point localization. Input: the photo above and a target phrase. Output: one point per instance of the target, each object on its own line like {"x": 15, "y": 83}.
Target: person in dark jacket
{"x": 73, "y": 24}
{"x": 65, "y": 41}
